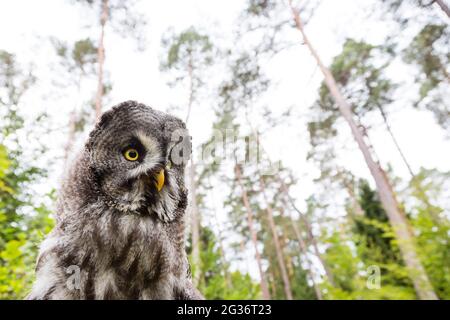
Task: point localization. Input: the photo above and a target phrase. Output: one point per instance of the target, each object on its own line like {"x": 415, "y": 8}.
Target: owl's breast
{"x": 141, "y": 260}
{"x": 128, "y": 257}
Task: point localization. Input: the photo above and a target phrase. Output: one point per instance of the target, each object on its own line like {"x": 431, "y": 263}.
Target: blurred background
{"x": 348, "y": 100}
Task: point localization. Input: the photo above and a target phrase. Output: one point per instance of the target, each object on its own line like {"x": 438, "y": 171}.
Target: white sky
{"x": 25, "y": 27}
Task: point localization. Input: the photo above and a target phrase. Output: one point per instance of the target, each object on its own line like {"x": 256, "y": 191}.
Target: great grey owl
{"x": 119, "y": 230}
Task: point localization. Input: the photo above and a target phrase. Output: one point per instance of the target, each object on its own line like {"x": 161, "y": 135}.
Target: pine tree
{"x": 188, "y": 54}
{"x": 396, "y": 216}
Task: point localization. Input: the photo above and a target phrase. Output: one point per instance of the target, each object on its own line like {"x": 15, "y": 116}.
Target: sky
{"x": 26, "y": 27}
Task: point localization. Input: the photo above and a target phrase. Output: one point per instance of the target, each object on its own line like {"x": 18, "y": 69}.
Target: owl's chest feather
{"x": 127, "y": 256}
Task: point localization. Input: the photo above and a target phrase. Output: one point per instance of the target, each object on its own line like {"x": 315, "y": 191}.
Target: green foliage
{"x": 186, "y": 58}
{"x": 14, "y": 82}
{"x": 432, "y": 228}
{"x": 350, "y": 246}
{"x": 186, "y": 48}
{"x": 359, "y": 70}
{"x": 80, "y": 58}
{"x": 427, "y": 51}
{"x": 23, "y": 220}
{"x": 374, "y": 227}
{"x": 352, "y": 277}
{"x": 217, "y": 281}
{"x": 20, "y": 235}
{"x": 4, "y": 165}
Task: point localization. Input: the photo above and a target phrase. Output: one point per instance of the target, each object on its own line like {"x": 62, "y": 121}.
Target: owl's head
{"x": 136, "y": 160}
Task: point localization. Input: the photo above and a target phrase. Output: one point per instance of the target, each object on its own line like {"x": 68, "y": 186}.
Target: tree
{"x": 397, "y": 217}
{"x": 433, "y": 77}
{"x": 212, "y": 283}
{"x": 78, "y": 63}
{"x": 23, "y": 218}
{"x": 188, "y": 54}
{"x": 427, "y": 51}
{"x": 250, "y": 224}
{"x": 125, "y": 21}
{"x": 397, "y": 5}
{"x": 429, "y": 188}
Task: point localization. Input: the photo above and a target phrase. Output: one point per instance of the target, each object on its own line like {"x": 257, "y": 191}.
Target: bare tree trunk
{"x": 263, "y": 281}
{"x": 273, "y": 289}
{"x": 220, "y": 240}
{"x": 101, "y": 59}
{"x": 284, "y": 241}
{"x": 304, "y": 253}
{"x": 195, "y": 225}
{"x": 195, "y": 216}
{"x": 397, "y": 218}
{"x": 355, "y": 203}
{"x": 191, "y": 87}
{"x": 309, "y": 234}
{"x": 444, "y": 7}
{"x": 432, "y": 214}
{"x": 280, "y": 258}
{"x": 224, "y": 261}
{"x": 304, "y": 219}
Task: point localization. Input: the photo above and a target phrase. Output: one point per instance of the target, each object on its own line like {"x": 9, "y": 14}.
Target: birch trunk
{"x": 397, "y": 218}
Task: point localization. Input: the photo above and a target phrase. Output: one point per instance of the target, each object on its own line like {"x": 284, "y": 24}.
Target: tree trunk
{"x": 263, "y": 281}
{"x": 220, "y": 239}
{"x": 304, "y": 219}
{"x": 359, "y": 212}
{"x": 195, "y": 225}
{"x": 101, "y": 59}
{"x": 284, "y": 241}
{"x": 191, "y": 87}
{"x": 309, "y": 234}
{"x": 276, "y": 240}
{"x": 432, "y": 214}
{"x": 444, "y": 7}
{"x": 273, "y": 289}
{"x": 304, "y": 253}
{"x": 397, "y": 218}
{"x": 195, "y": 216}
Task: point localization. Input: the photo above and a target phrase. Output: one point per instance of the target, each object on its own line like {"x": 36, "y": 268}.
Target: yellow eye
{"x": 131, "y": 154}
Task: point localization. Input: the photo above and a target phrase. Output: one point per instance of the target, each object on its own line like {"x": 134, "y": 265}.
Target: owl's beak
{"x": 159, "y": 184}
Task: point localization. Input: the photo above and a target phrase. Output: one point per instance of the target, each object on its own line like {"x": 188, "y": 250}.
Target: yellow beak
{"x": 160, "y": 180}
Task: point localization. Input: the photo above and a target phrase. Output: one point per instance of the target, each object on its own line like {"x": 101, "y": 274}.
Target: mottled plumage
{"x": 124, "y": 237}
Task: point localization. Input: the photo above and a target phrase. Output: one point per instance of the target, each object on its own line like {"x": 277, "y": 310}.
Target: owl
{"x": 120, "y": 217}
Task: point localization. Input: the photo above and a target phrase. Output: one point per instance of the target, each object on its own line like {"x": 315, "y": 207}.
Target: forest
{"x": 320, "y": 130}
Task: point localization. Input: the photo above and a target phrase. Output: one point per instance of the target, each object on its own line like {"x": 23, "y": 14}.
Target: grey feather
{"x": 116, "y": 236}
